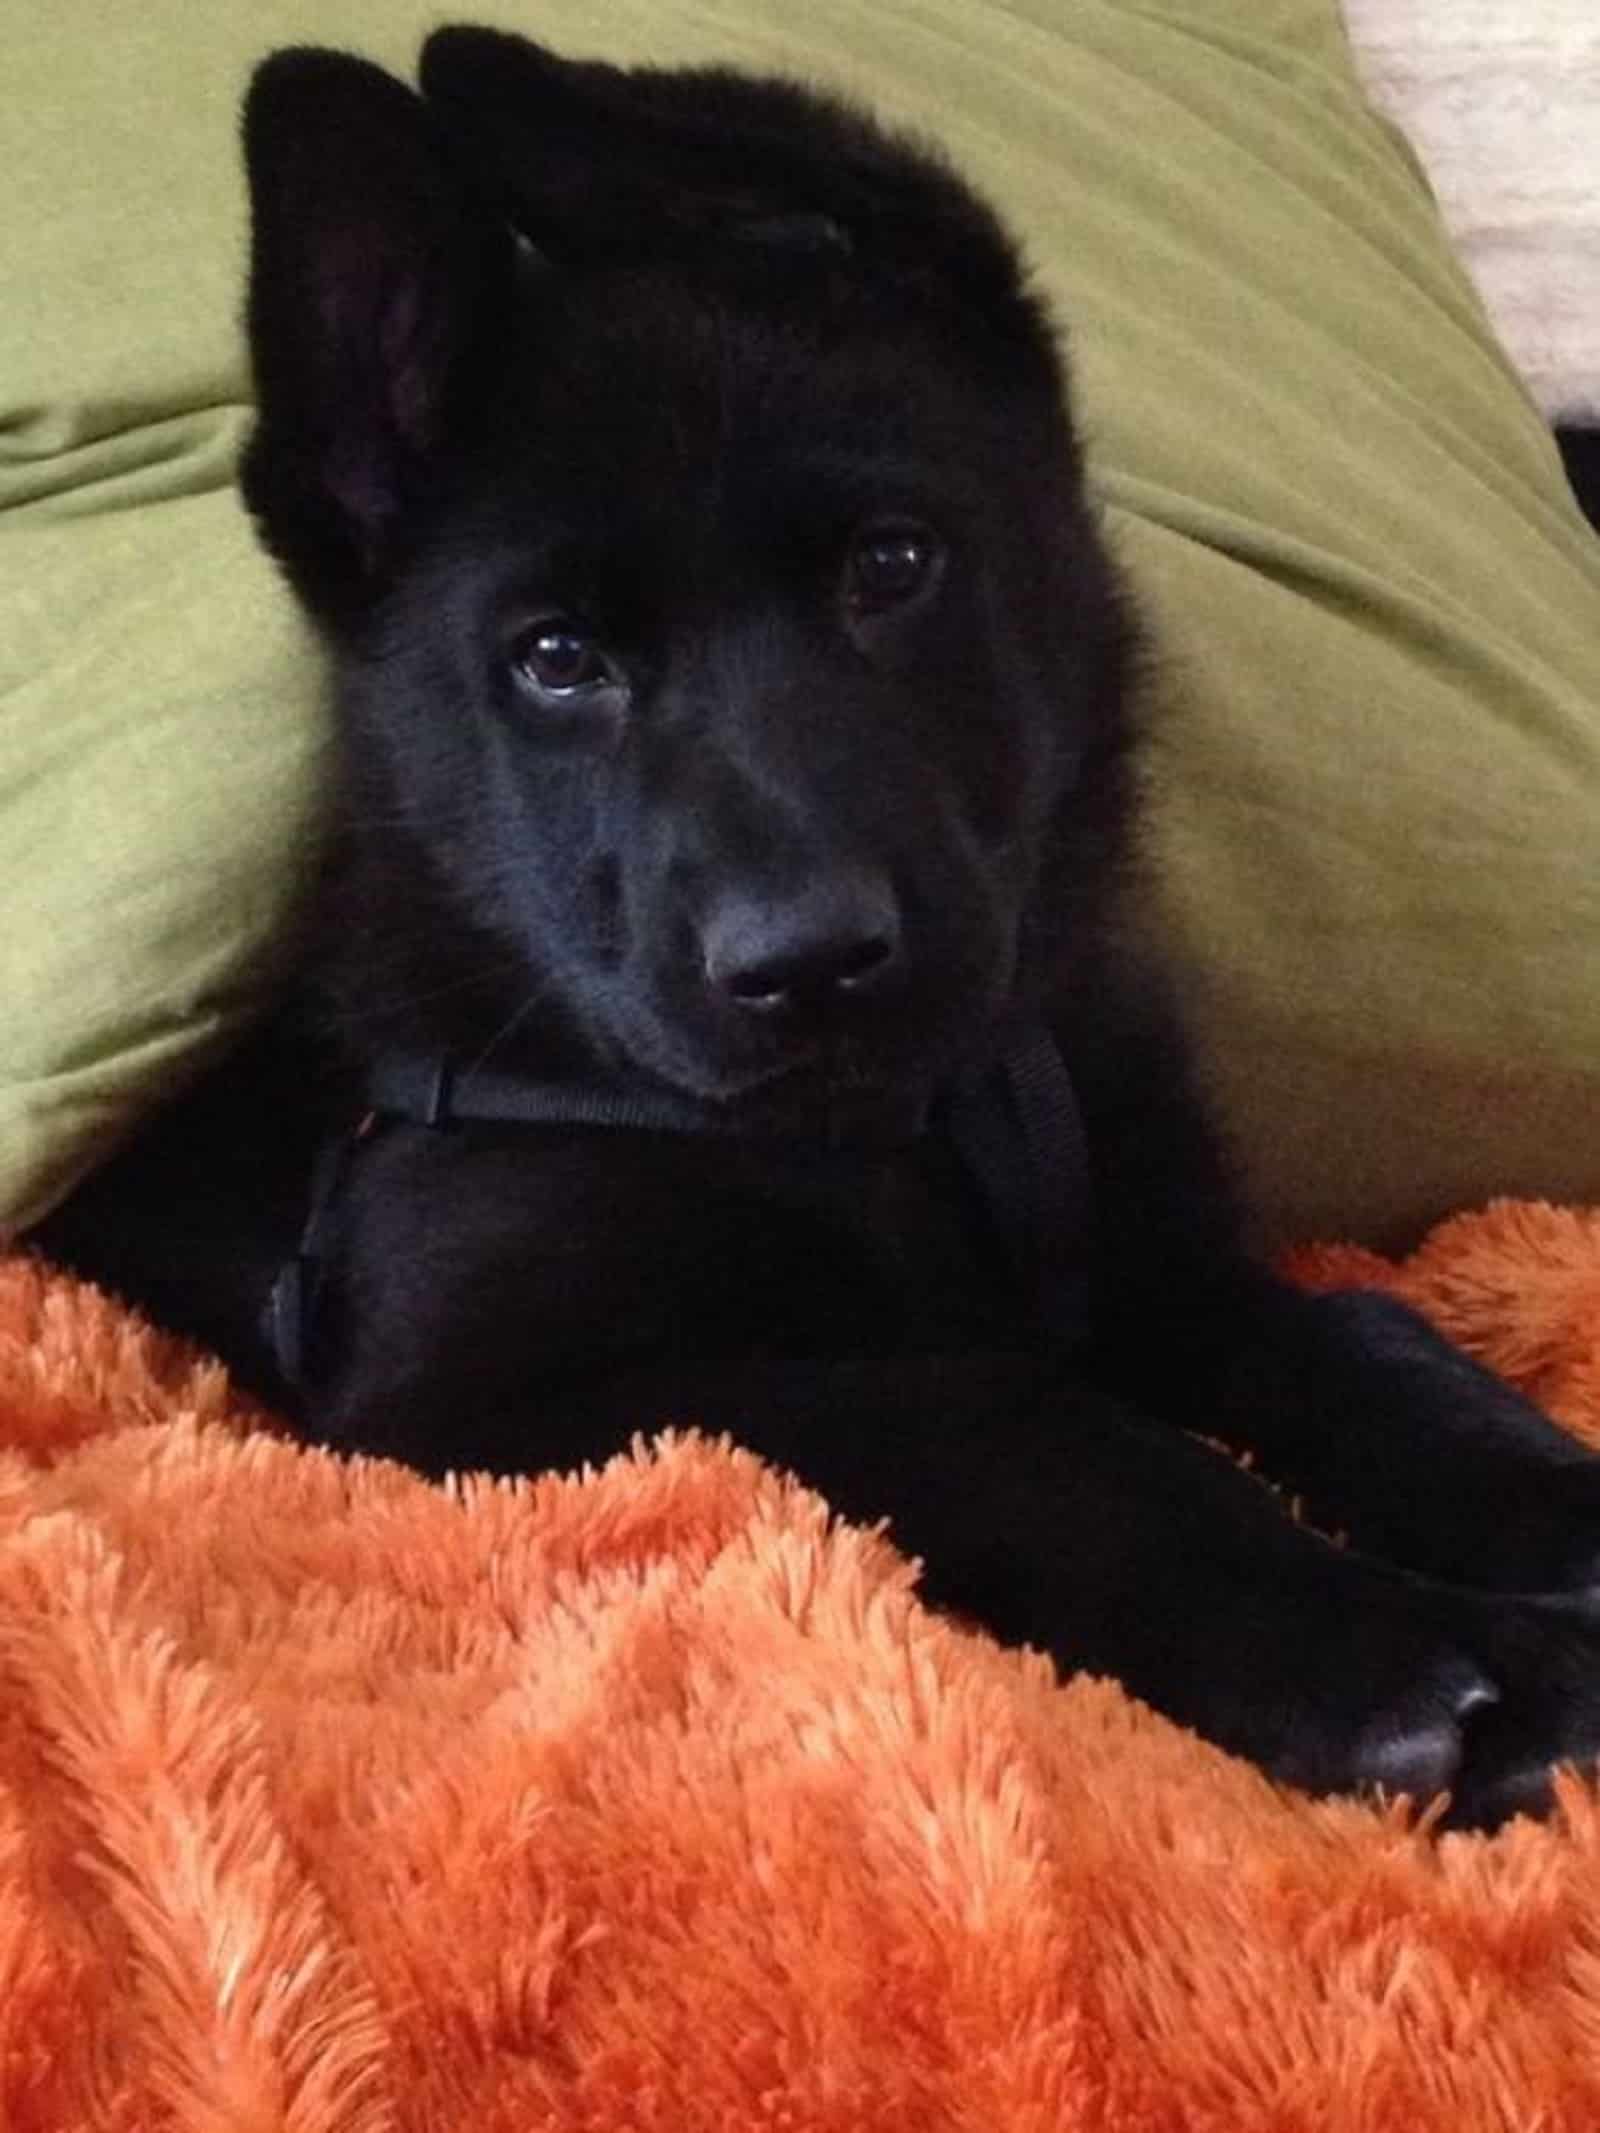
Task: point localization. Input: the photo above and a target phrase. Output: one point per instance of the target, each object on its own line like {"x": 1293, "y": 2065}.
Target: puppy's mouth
{"x": 834, "y": 1081}
{"x": 831, "y": 1093}
{"x": 819, "y": 1072}
{"x": 810, "y": 1070}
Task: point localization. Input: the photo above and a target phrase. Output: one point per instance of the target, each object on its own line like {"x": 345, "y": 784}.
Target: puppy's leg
{"x": 1123, "y": 1547}
{"x": 1043, "y": 1507}
{"x": 1392, "y": 1433}
{"x": 1429, "y": 1459}
{"x": 1119, "y": 1546}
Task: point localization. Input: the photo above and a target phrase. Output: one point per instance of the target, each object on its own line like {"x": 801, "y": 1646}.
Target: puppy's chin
{"x": 841, "y": 1095}
{"x": 831, "y": 1083}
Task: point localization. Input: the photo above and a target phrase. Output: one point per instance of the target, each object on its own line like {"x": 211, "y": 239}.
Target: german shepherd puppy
{"x": 733, "y": 803}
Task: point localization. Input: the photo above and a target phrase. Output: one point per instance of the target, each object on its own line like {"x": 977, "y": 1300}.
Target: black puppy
{"x": 719, "y": 940}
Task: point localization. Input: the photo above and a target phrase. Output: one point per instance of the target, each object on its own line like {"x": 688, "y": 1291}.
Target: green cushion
{"x": 1374, "y": 799}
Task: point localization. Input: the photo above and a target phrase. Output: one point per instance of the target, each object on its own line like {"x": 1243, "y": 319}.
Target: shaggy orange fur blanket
{"x": 333, "y": 1802}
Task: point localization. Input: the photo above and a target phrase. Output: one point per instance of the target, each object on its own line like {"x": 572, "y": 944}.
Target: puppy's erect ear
{"x": 374, "y": 275}
{"x": 597, "y": 162}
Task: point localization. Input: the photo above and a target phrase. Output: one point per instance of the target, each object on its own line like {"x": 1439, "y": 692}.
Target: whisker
{"x": 463, "y": 983}
{"x": 509, "y": 1027}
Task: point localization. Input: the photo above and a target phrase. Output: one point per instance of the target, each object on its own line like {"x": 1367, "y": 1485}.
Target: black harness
{"x": 1014, "y": 1126}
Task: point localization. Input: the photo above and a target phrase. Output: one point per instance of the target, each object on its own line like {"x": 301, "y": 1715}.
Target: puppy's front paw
{"x": 1374, "y": 1698}
{"x": 1362, "y": 1680}
{"x": 1544, "y": 1655}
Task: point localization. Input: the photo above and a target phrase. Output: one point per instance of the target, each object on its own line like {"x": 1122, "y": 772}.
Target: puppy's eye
{"x": 560, "y": 657}
{"x": 889, "y": 565}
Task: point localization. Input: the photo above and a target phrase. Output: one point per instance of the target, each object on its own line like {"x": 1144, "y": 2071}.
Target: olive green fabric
{"x": 1374, "y": 793}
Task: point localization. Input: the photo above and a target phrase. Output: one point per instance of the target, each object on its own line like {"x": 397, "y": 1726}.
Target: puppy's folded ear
{"x": 598, "y": 162}
{"x": 375, "y": 277}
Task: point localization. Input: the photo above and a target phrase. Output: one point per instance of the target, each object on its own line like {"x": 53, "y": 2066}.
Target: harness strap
{"x": 1018, "y": 1130}
{"x": 436, "y": 1092}
{"x": 291, "y": 1307}
{"x": 1015, "y": 1126}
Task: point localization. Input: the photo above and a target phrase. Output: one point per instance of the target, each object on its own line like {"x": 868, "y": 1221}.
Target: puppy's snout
{"x": 819, "y": 949}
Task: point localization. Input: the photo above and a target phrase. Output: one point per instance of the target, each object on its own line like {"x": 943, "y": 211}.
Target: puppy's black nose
{"x": 820, "y": 949}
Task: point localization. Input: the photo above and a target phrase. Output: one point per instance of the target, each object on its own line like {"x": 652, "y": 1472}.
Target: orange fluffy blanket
{"x": 333, "y": 1802}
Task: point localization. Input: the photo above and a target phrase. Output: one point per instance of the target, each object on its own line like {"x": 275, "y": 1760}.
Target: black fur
{"x": 1580, "y": 454}
{"x": 734, "y": 698}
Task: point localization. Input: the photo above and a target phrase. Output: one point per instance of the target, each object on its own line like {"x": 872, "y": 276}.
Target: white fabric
{"x": 1501, "y": 100}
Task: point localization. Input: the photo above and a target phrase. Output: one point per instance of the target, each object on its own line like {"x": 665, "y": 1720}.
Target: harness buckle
{"x": 436, "y": 1106}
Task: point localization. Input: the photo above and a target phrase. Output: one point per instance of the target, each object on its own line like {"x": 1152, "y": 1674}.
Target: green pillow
{"x": 1374, "y": 787}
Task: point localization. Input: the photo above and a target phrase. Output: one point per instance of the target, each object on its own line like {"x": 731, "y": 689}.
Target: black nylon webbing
{"x": 1018, "y": 1130}
{"x": 433, "y": 1092}
{"x": 1015, "y": 1126}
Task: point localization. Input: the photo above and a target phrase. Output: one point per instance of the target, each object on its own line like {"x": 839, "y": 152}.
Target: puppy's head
{"x": 679, "y": 468}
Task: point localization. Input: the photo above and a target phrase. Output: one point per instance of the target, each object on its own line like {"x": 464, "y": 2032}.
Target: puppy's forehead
{"x": 667, "y": 373}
